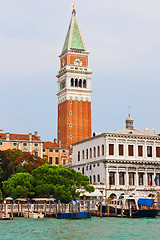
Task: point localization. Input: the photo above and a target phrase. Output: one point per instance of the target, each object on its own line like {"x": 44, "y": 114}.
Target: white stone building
{"x": 121, "y": 162}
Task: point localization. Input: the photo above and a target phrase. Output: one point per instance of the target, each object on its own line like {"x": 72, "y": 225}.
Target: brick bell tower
{"x": 74, "y": 88}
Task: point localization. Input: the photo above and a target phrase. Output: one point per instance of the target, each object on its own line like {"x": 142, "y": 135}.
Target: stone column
{"x": 145, "y": 178}
{"x": 127, "y": 178}
{"x": 136, "y": 178}
{"x": 117, "y": 178}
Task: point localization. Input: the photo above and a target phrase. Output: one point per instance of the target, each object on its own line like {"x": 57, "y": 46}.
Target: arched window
{"x": 94, "y": 178}
{"x": 90, "y": 152}
{"x": 98, "y": 178}
{"x": 80, "y": 82}
{"x": 84, "y": 83}
{"x": 94, "y": 152}
{"x": 98, "y": 151}
{"x": 72, "y": 82}
{"x": 90, "y": 179}
{"x": 76, "y": 82}
{"x": 102, "y": 150}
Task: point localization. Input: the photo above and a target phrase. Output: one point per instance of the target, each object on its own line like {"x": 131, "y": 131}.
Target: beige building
{"x": 25, "y": 142}
{"x": 56, "y": 154}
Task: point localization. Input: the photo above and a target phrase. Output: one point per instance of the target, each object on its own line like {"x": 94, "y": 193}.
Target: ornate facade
{"x": 121, "y": 162}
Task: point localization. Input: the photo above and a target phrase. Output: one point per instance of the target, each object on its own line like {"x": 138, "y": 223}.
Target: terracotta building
{"x": 56, "y": 154}
{"x": 26, "y": 142}
{"x": 74, "y": 88}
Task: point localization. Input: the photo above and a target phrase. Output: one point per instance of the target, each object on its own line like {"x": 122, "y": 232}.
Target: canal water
{"x": 94, "y": 228}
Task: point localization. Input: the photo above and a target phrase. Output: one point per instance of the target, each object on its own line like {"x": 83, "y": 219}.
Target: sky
{"x": 123, "y": 39}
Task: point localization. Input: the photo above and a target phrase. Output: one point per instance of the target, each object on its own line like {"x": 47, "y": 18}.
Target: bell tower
{"x": 74, "y": 88}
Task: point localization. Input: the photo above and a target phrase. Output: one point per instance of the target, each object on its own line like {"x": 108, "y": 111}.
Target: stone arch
{"x": 113, "y": 195}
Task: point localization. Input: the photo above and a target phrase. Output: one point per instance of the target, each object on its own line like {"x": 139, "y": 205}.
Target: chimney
{"x": 30, "y": 136}
{"x": 1, "y": 131}
{"x": 36, "y": 134}
{"x": 7, "y": 136}
{"x": 60, "y": 144}
{"x": 55, "y": 140}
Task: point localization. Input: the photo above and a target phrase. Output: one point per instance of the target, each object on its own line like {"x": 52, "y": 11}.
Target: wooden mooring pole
{"x": 21, "y": 209}
{"x": 100, "y": 214}
{"x": 12, "y": 211}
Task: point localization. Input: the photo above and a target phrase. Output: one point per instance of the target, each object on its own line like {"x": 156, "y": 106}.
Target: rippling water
{"x": 94, "y": 228}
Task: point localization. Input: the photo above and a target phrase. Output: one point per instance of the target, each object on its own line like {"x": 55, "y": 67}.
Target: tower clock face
{"x": 78, "y": 61}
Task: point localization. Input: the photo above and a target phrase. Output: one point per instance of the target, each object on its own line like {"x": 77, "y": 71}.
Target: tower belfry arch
{"x": 74, "y": 87}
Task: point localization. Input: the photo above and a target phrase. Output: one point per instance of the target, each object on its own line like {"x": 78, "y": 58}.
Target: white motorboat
{"x": 33, "y": 215}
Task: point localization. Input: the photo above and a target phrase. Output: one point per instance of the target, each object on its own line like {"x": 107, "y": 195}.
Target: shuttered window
{"x": 149, "y": 151}
{"x": 158, "y": 152}
{"x": 130, "y": 150}
{"x": 111, "y": 149}
{"x": 140, "y": 151}
{"x": 102, "y": 150}
{"x": 120, "y": 150}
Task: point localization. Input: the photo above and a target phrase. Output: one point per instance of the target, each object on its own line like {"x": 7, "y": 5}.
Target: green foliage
{"x": 0, "y": 194}
{"x": 19, "y": 185}
{"x": 60, "y": 182}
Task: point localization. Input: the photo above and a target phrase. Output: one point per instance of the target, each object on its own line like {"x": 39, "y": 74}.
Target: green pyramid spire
{"x": 77, "y": 42}
{"x": 74, "y": 38}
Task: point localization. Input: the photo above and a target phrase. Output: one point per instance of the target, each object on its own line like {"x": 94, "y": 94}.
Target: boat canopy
{"x": 145, "y": 202}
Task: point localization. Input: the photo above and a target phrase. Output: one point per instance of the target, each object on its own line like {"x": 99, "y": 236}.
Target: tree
{"x": 14, "y": 161}
{"x": 28, "y": 162}
{"x": 20, "y": 185}
{"x": 60, "y": 182}
{"x": 7, "y": 159}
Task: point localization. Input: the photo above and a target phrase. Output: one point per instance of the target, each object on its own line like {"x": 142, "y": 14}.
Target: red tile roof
{"x": 22, "y": 137}
{"x": 52, "y": 144}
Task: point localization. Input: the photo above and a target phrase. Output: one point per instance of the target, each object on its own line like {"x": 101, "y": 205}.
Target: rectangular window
{"x": 157, "y": 152}
{"x": 122, "y": 178}
{"x": 149, "y": 151}
{"x": 130, "y": 150}
{"x": 131, "y": 178}
{"x": 56, "y": 160}
{"x": 64, "y": 161}
{"x": 140, "y": 176}
{"x": 98, "y": 150}
{"x": 56, "y": 150}
{"x": 90, "y": 152}
{"x": 83, "y": 154}
{"x": 102, "y": 150}
{"x": 112, "y": 178}
{"x": 87, "y": 168}
{"x": 50, "y": 150}
{"x": 150, "y": 176}
{"x": 86, "y": 153}
{"x": 111, "y": 149}
{"x": 140, "y": 151}
{"x": 24, "y": 144}
{"x": 14, "y": 144}
{"x": 1, "y": 143}
{"x": 94, "y": 152}
{"x": 78, "y": 156}
{"x": 50, "y": 160}
{"x": 36, "y": 144}
{"x": 120, "y": 150}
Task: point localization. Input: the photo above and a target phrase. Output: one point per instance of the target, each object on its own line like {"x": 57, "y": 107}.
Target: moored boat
{"x": 131, "y": 206}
